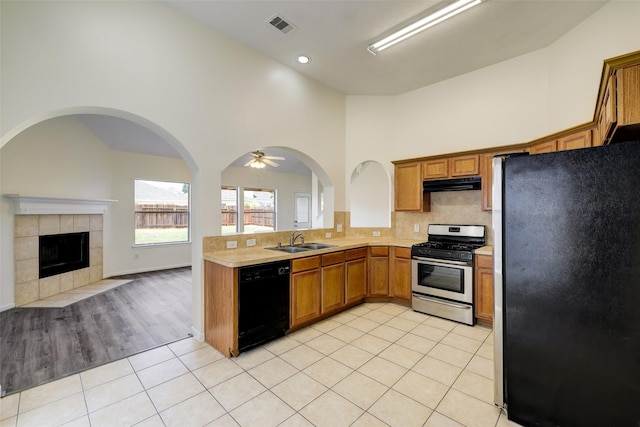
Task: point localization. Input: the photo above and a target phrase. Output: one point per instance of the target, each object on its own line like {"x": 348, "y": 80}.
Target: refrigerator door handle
{"x": 439, "y": 301}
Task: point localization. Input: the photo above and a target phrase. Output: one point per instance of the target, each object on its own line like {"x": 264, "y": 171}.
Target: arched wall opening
{"x": 114, "y": 250}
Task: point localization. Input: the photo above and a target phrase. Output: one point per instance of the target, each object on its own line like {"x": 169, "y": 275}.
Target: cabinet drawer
{"x": 403, "y": 253}
{"x": 302, "y": 264}
{"x": 333, "y": 258}
{"x": 356, "y": 253}
{"x": 484, "y": 261}
{"x": 379, "y": 251}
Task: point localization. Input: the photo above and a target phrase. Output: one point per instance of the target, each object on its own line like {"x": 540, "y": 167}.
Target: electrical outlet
{"x": 339, "y": 228}
{"x": 232, "y": 244}
{"x": 327, "y": 235}
{"x": 251, "y": 242}
{"x": 416, "y": 228}
{"x": 376, "y": 234}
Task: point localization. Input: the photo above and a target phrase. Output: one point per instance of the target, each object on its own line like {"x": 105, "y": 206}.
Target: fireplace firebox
{"x": 61, "y": 253}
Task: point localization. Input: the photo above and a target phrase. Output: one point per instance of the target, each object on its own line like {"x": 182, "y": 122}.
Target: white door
{"x": 302, "y": 210}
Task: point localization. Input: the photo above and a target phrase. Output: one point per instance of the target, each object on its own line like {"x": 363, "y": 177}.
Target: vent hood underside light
{"x": 422, "y": 24}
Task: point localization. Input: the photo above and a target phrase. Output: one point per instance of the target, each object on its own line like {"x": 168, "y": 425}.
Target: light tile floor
{"x": 64, "y": 299}
{"x": 373, "y": 365}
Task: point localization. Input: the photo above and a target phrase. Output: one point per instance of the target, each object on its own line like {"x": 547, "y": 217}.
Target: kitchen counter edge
{"x": 260, "y": 255}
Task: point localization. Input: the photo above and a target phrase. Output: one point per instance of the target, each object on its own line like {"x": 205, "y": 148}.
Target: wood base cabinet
{"x": 305, "y": 290}
{"x": 484, "y": 289}
{"x": 401, "y": 273}
{"x": 221, "y": 307}
{"x": 332, "y": 280}
{"x": 378, "y": 271}
{"x": 355, "y": 275}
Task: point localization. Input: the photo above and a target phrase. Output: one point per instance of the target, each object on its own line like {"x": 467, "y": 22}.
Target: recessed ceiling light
{"x": 303, "y": 59}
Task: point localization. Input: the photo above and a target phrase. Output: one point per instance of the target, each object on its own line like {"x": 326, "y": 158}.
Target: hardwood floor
{"x": 42, "y": 344}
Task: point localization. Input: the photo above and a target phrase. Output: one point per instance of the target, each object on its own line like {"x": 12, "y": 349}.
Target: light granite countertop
{"x": 258, "y": 255}
{"x": 485, "y": 250}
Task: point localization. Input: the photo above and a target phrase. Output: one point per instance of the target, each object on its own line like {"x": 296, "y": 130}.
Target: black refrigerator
{"x": 567, "y": 287}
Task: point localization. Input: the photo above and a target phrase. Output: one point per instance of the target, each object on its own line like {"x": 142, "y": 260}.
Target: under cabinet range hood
{"x": 453, "y": 184}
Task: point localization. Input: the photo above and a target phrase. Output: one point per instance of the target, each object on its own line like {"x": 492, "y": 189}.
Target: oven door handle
{"x": 439, "y": 301}
{"x": 441, "y": 262}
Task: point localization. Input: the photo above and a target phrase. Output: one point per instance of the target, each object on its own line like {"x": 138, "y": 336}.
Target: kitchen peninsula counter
{"x": 259, "y": 255}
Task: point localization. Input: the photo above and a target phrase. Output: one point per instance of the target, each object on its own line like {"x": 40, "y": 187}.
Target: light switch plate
{"x": 416, "y": 228}
{"x": 232, "y": 244}
{"x": 251, "y": 242}
{"x": 339, "y": 228}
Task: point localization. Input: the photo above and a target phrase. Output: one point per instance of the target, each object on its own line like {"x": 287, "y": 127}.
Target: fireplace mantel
{"x": 47, "y": 205}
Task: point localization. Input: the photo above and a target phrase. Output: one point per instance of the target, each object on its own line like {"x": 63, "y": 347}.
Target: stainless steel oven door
{"x": 452, "y": 280}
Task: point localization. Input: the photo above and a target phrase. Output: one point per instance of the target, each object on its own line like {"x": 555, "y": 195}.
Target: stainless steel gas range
{"x": 442, "y": 271}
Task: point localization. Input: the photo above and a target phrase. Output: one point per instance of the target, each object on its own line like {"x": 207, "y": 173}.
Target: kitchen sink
{"x": 301, "y": 247}
{"x": 317, "y": 245}
{"x": 290, "y": 249}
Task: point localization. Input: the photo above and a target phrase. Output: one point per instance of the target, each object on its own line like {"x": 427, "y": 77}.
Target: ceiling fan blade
{"x": 274, "y": 157}
{"x": 269, "y": 162}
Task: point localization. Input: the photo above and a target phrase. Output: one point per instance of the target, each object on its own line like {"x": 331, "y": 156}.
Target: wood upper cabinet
{"x": 408, "y": 188}
{"x": 332, "y": 279}
{"x": 544, "y": 147}
{"x": 486, "y": 170}
{"x": 581, "y": 139}
{"x": 464, "y": 165}
{"x": 305, "y": 290}
{"x": 628, "y": 95}
{"x": 451, "y": 167}
{"x": 355, "y": 275}
{"x": 435, "y": 169}
{"x": 607, "y": 117}
{"x": 484, "y": 288}
{"x": 400, "y": 282}
{"x": 378, "y": 271}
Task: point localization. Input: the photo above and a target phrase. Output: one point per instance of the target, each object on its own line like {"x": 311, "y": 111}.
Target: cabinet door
{"x": 356, "y": 277}
{"x": 379, "y": 275}
{"x": 544, "y": 147}
{"x": 487, "y": 176}
{"x": 580, "y": 139}
{"x": 608, "y": 117}
{"x": 332, "y": 287}
{"x": 408, "y": 187}
{"x": 305, "y": 296}
{"x": 401, "y": 279}
{"x": 628, "y": 95}
{"x": 484, "y": 288}
{"x": 464, "y": 165}
{"x": 435, "y": 169}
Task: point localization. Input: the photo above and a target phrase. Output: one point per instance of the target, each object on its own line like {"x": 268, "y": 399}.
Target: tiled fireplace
{"x": 28, "y": 229}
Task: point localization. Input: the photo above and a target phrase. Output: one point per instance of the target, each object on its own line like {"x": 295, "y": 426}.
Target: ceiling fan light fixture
{"x": 422, "y": 24}
{"x": 257, "y": 164}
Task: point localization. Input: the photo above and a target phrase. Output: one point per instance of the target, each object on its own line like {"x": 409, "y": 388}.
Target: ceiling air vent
{"x": 279, "y": 23}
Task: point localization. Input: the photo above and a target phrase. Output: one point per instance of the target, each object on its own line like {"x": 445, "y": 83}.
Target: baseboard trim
{"x": 7, "y": 307}
{"x": 198, "y": 335}
{"x": 145, "y": 270}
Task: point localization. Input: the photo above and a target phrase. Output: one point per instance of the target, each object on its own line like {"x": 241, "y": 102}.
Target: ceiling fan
{"x": 259, "y": 160}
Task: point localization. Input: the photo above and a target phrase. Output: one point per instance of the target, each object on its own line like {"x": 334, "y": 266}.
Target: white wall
{"x": 286, "y": 184}
{"x": 214, "y": 99}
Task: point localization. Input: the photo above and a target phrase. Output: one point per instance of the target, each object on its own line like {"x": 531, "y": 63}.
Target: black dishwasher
{"x": 263, "y": 303}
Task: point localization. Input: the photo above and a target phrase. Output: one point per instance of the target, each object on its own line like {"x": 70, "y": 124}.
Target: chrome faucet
{"x": 294, "y": 237}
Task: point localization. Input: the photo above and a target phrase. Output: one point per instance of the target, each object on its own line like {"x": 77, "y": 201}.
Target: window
{"x": 256, "y": 209}
{"x": 259, "y": 210}
{"x": 229, "y": 210}
{"x": 161, "y": 212}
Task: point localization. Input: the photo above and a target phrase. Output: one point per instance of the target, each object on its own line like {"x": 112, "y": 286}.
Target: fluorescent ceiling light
{"x": 422, "y": 24}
